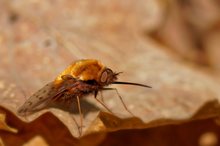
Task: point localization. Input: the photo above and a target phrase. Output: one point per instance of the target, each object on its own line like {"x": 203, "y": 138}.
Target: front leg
{"x": 102, "y": 103}
{"x": 119, "y": 98}
{"x": 96, "y": 93}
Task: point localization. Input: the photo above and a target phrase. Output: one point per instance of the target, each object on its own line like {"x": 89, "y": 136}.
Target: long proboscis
{"x": 129, "y": 83}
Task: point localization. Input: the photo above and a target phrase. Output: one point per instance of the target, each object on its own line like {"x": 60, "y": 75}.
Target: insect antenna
{"x": 130, "y": 83}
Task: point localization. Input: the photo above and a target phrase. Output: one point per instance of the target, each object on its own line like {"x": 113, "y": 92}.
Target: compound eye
{"x": 104, "y": 76}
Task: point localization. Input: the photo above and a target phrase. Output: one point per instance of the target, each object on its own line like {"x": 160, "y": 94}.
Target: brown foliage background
{"x": 171, "y": 45}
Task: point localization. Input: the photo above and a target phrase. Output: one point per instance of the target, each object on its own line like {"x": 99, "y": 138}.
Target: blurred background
{"x": 172, "y": 45}
{"x": 187, "y": 28}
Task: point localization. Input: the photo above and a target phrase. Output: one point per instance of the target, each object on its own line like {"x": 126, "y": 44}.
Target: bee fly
{"x": 81, "y": 78}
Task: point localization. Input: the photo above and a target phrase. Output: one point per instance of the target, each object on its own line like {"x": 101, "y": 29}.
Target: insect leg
{"x": 102, "y": 97}
{"x": 119, "y": 98}
{"x": 78, "y": 126}
{"x": 81, "y": 116}
{"x": 102, "y": 103}
{"x": 69, "y": 99}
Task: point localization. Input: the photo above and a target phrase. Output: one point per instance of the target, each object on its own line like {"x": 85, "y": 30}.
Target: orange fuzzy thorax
{"x": 87, "y": 69}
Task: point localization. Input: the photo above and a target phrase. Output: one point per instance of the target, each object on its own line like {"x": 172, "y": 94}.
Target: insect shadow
{"x": 86, "y": 106}
{"x": 72, "y": 108}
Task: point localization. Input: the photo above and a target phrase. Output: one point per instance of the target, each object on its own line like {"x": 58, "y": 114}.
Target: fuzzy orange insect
{"x": 81, "y": 78}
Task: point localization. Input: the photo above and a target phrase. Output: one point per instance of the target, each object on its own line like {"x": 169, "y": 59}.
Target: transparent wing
{"x": 43, "y": 97}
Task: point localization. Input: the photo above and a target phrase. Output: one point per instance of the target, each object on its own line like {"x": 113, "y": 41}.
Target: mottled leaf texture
{"x": 142, "y": 39}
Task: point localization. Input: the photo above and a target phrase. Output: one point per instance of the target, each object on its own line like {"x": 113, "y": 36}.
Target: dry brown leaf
{"x": 46, "y": 126}
{"x": 4, "y": 126}
{"x": 1, "y": 142}
{"x": 175, "y": 88}
{"x": 36, "y": 141}
{"x": 38, "y": 47}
